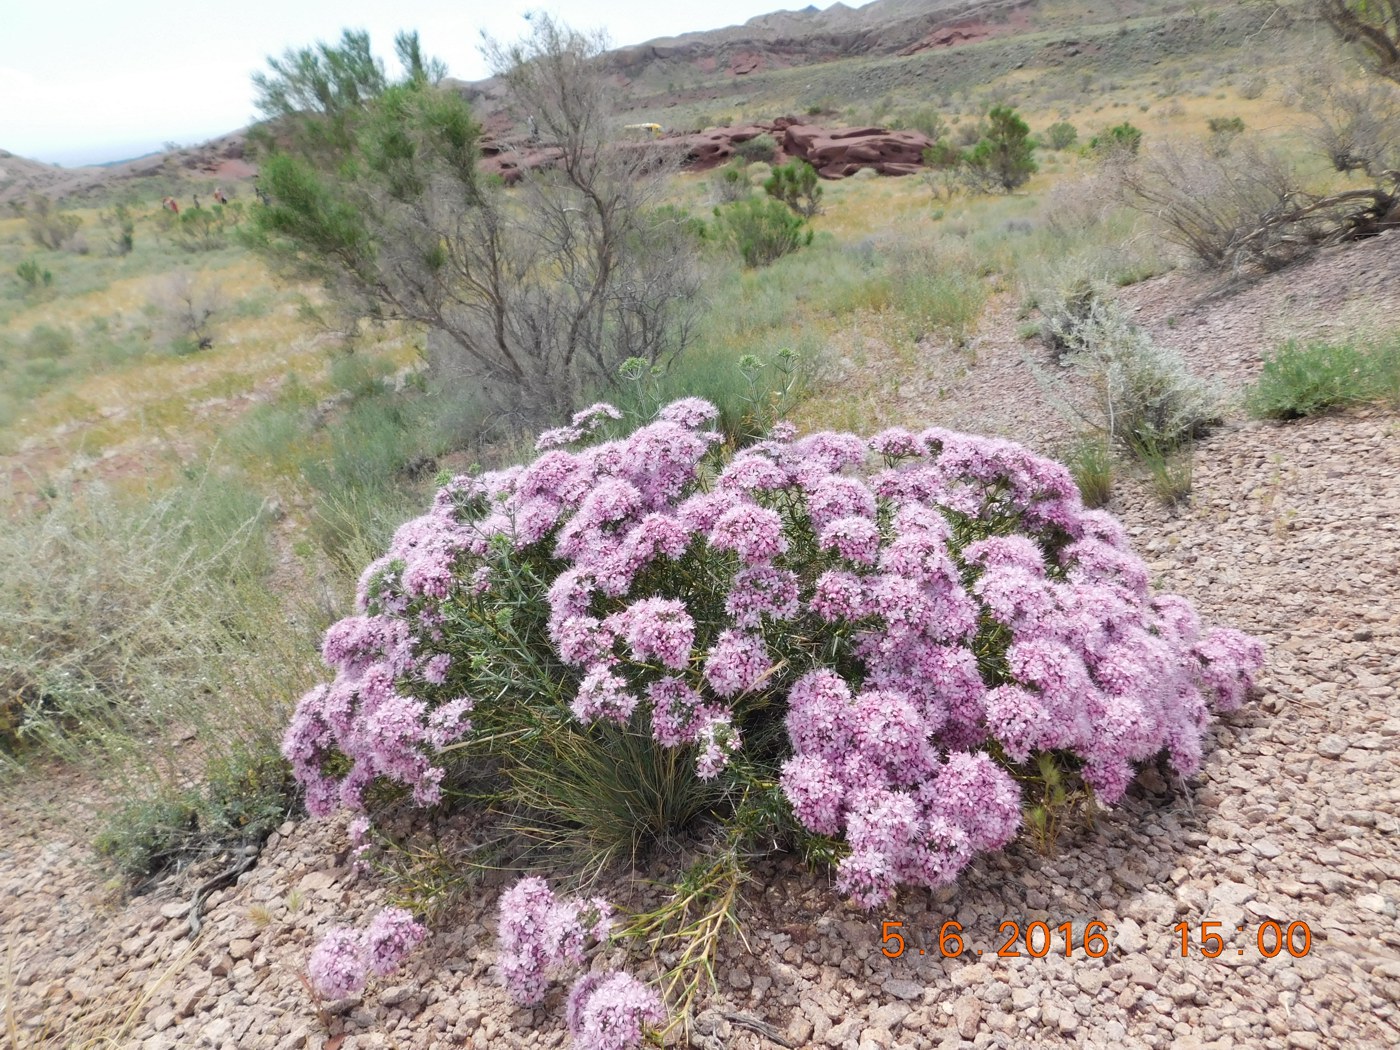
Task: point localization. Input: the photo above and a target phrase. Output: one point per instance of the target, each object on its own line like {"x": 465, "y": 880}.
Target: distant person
{"x": 196, "y": 202}
{"x": 534, "y": 129}
{"x": 219, "y": 197}
{"x": 171, "y": 204}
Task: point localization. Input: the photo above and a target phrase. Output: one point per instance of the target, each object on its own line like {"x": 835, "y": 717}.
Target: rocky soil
{"x": 1292, "y": 532}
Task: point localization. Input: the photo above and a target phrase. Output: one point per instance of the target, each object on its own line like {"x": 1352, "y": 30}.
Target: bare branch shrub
{"x": 1247, "y": 207}
{"x": 49, "y": 227}
{"x": 1357, "y": 125}
{"x": 532, "y": 295}
{"x": 1371, "y": 25}
{"x": 188, "y": 306}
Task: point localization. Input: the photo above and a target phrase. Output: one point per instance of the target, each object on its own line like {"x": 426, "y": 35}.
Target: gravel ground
{"x": 1292, "y": 533}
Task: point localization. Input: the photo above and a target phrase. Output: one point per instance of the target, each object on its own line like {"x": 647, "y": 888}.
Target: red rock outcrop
{"x": 838, "y": 152}
{"x": 834, "y": 152}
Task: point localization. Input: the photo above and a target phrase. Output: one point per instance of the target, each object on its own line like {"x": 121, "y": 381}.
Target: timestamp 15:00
{"x": 1038, "y": 939}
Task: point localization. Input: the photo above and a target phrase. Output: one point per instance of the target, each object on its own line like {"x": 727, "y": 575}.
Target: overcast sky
{"x": 87, "y": 81}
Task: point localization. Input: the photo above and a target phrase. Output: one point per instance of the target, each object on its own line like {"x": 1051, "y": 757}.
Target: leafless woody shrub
{"x": 1357, "y": 126}
{"x": 1247, "y": 207}
{"x": 189, "y": 305}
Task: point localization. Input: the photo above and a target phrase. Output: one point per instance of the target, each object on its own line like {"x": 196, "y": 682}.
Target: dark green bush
{"x": 943, "y": 154}
{"x": 759, "y": 148}
{"x": 796, "y": 184}
{"x": 1225, "y": 125}
{"x": 732, "y": 183}
{"x": 48, "y": 226}
{"x": 33, "y": 275}
{"x": 142, "y": 837}
{"x": 761, "y": 230}
{"x": 244, "y": 796}
{"x": 1061, "y": 135}
{"x": 121, "y": 228}
{"x": 1005, "y": 157}
{"x": 1223, "y": 132}
{"x": 1122, "y": 137}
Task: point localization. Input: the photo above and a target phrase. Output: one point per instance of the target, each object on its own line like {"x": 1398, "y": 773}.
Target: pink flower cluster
{"x": 994, "y": 612}
{"x": 341, "y": 963}
{"x": 607, "y": 1011}
{"x": 539, "y": 935}
{"x": 909, "y": 621}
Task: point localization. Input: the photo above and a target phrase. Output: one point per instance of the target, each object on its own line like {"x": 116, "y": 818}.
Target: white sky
{"x": 87, "y": 81}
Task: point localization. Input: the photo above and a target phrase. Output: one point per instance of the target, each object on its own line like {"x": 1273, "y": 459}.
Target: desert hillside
{"x": 1006, "y": 340}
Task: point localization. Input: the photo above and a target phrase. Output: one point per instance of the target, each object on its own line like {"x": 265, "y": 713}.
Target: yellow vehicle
{"x": 654, "y": 130}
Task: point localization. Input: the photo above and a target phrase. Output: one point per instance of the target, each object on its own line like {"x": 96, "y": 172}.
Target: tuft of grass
{"x": 607, "y": 795}
{"x": 1090, "y": 460}
{"x": 1305, "y": 380}
{"x": 1168, "y": 470}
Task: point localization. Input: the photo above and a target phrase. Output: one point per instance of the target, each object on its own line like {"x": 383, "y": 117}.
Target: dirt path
{"x": 1292, "y": 533}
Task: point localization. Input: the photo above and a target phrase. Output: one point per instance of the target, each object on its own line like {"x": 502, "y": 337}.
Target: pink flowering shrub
{"x": 887, "y": 629}
{"x": 341, "y": 963}
{"x": 539, "y": 935}
{"x": 608, "y": 1011}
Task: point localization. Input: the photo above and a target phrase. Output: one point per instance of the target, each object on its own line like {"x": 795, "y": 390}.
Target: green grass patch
{"x": 1309, "y": 379}
{"x": 1090, "y": 460}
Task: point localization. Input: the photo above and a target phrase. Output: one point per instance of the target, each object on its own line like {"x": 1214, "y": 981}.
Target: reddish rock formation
{"x": 834, "y": 152}
{"x": 950, "y": 36}
{"x": 839, "y": 152}
{"x": 746, "y": 62}
{"x": 511, "y": 163}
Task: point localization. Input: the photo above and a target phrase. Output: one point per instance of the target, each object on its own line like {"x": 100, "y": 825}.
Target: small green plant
{"x": 1225, "y": 125}
{"x": 1223, "y": 132}
{"x": 797, "y": 185}
{"x": 761, "y": 230}
{"x": 48, "y": 226}
{"x": 204, "y": 229}
{"x": 144, "y": 836}
{"x": 1168, "y": 469}
{"x": 1061, "y": 135}
{"x": 1305, "y": 380}
{"x": 1144, "y": 398}
{"x": 1058, "y": 798}
{"x": 925, "y": 119}
{"x": 190, "y": 306}
{"x": 943, "y": 154}
{"x": 1005, "y": 156}
{"x": 1122, "y": 138}
{"x": 32, "y": 275}
{"x": 759, "y": 148}
{"x": 1090, "y": 460}
{"x": 731, "y": 183}
{"x": 770, "y": 392}
{"x": 243, "y": 795}
{"x": 1064, "y": 312}
{"x": 121, "y": 228}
